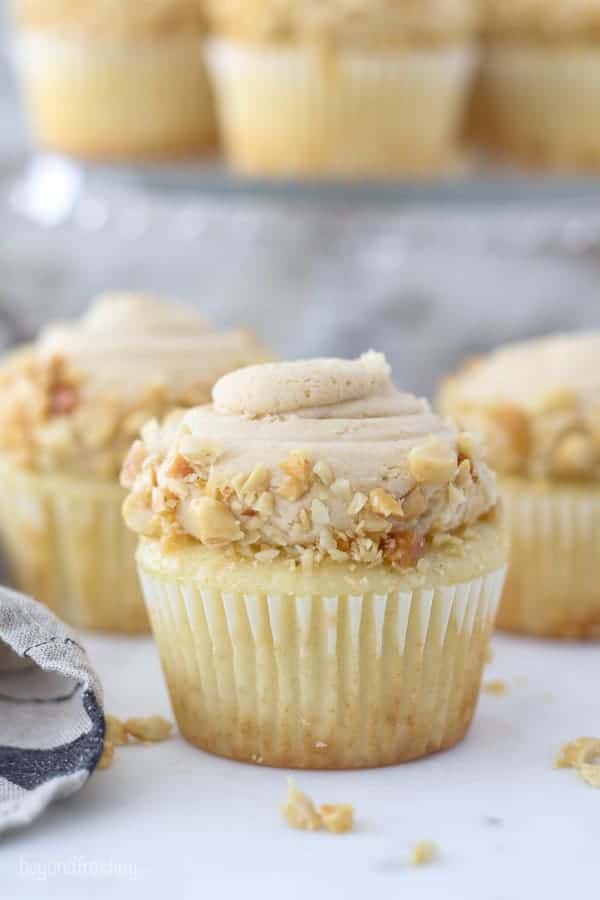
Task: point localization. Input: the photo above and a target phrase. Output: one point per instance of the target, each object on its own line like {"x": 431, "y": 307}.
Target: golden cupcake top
{"x": 355, "y": 23}
{"x": 560, "y": 21}
{"x": 308, "y": 461}
{"x": 75, "y": 399}
{"x": 538, "y": 403}
{"x": 112, "y": 18}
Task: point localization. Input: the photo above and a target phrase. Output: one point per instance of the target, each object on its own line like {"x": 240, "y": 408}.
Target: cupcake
{"x": 321, "y": 558}
{"x": 327, "y": 87}
{"x": 115, "y": 80}
{"x": 539, "y": 405}
{"x": 538, "y": 97}
{"x": 70, "y": 406}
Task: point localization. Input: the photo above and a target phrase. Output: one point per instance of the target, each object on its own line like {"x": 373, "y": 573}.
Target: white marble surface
{"x": 169, "y": 821}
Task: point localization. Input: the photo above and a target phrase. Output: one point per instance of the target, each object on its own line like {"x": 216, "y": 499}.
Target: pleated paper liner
{"x": 116, "y": 99}
{"x": 553, "y": 584}
{"x": 293, "y": 110}
{"x": 322, "y": 681}
{"x": 540, "y": 105}
{"x": 65, "y": 543}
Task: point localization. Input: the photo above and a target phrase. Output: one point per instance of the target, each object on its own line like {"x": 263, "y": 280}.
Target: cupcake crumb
{"x": 337, "y": 817}
{"x": 496, "y": 687}
{"x": 423, "y": 853}
{"x": 116, "y": 733}
{"x": 152, "y": 729}
{"x": 300, "y": 812}
{"x": 108, "y": 755}
{"x": 583, "y": 755}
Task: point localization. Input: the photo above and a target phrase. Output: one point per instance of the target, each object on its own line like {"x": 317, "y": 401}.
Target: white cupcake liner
{"x": 541, "y": 104}
{"x": 120, "y": 98}
{"x": 553, "y": 584}
{"x": 322, "y": 682}
{"x": 65, "y": 543}
{"x": 286, "y": 109}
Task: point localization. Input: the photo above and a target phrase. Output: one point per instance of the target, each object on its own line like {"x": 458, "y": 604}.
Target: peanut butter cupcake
{"x": 70, "y": 406}
{"x": 115, "y": 80}
{"x": 539, "y": 404}
{"x": 538, "y": 96}
{"x": 321, "y": 558}
{"x": 327, "y": 87}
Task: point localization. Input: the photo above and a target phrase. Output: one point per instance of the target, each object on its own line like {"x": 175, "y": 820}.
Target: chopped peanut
{"x": 149, "y": 728}
{"x": 324, "y": 473}
{"x": 578, "y": 753}
{"x": 299, "y": 810}
{"x": 108, "y": 754}
{"x": 116, "y": 733}
{"x": 423, "y": 853}
{"x": 211, "y": 522}
{"x": 496, "y": 687}
{"x": 385, "y": 504}
{"x": 337, "y": 817}
{"x": 433, "y": 462}
{"x": 514, "y": 423}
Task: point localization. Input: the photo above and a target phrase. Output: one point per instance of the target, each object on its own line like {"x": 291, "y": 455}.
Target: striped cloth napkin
{"x": 51, "y": 718}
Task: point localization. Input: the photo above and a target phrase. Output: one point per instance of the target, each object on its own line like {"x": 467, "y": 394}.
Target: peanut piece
{"x": 433, "y": 462}
{"x": 149, "y": 728}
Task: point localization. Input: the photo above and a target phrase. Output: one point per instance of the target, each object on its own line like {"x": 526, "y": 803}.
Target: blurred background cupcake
{"x": 539, "y": 405}
{"x": 373, "y": 88}
{"x": 70, "y": 406}
{"x": 322, "y": 558}
{"x": 115, "y": 80}
{"x": 538, "y": 94}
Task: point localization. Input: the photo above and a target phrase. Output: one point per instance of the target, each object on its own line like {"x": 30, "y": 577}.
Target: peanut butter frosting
{"x": 75, "y": 399}
{"x": 310, "y": 460}
{"x": 368, "y": 24}
{"x": 561, "y": 21}
{"x": 538, "y": 403}
{"x": 112, "y": 18}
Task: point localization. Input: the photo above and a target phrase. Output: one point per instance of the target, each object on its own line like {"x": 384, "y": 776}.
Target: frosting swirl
{"x": 325, "y": 455}
{"x": 130, "y": 342}
{"x": 75, "y": 399}
{"x": 538, "y": 402}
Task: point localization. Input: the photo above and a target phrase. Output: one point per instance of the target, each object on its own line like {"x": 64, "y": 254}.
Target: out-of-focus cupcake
{"x": 538, "y": 96}
{"x": 322, "y": 558}
{"x": 539, "y": 404}
{"x": 327, "y": 87}
{"x": 70, "y": 406}
{"x": 115, "y": 80}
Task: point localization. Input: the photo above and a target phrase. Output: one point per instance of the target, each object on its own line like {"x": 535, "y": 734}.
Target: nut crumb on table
{"x": 496, "y": 687}
{"x": 116, "y": 733}
{"x": 149, "y": 728}
{"x": 423, "y": 853}
{"x": 300, "y": 812}
{"x": 583, "y": 755}
{"x": 108, "y": 755}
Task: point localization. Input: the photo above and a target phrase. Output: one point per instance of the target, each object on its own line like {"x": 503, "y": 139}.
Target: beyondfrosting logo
{"x": 36, "y": 869}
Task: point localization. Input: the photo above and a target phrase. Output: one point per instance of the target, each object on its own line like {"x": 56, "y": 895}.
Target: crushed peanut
{"x": 423, "y": 853}
{"x": 299, "y": 810}
{"x": 384, "y": 504}
{"x": 577, "y": 753}
{"x": 108, "y": 755}
{"x": 116, "y": 733}
{"x": 496, "y": 687}
{"x": 211, "y": 521}
{"x": 152, "y": 729}
{"x": 358, "y": 503}
{"x": 337, "y": 817}
{"x": 433, "y": 462}
{"x": 324, "y": 473}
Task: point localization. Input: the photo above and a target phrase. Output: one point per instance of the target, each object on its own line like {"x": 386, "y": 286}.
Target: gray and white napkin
{"x": 51, "y": 718}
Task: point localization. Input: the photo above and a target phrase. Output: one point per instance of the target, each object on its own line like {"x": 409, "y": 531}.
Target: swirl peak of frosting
{"x": 287, "y": 387}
